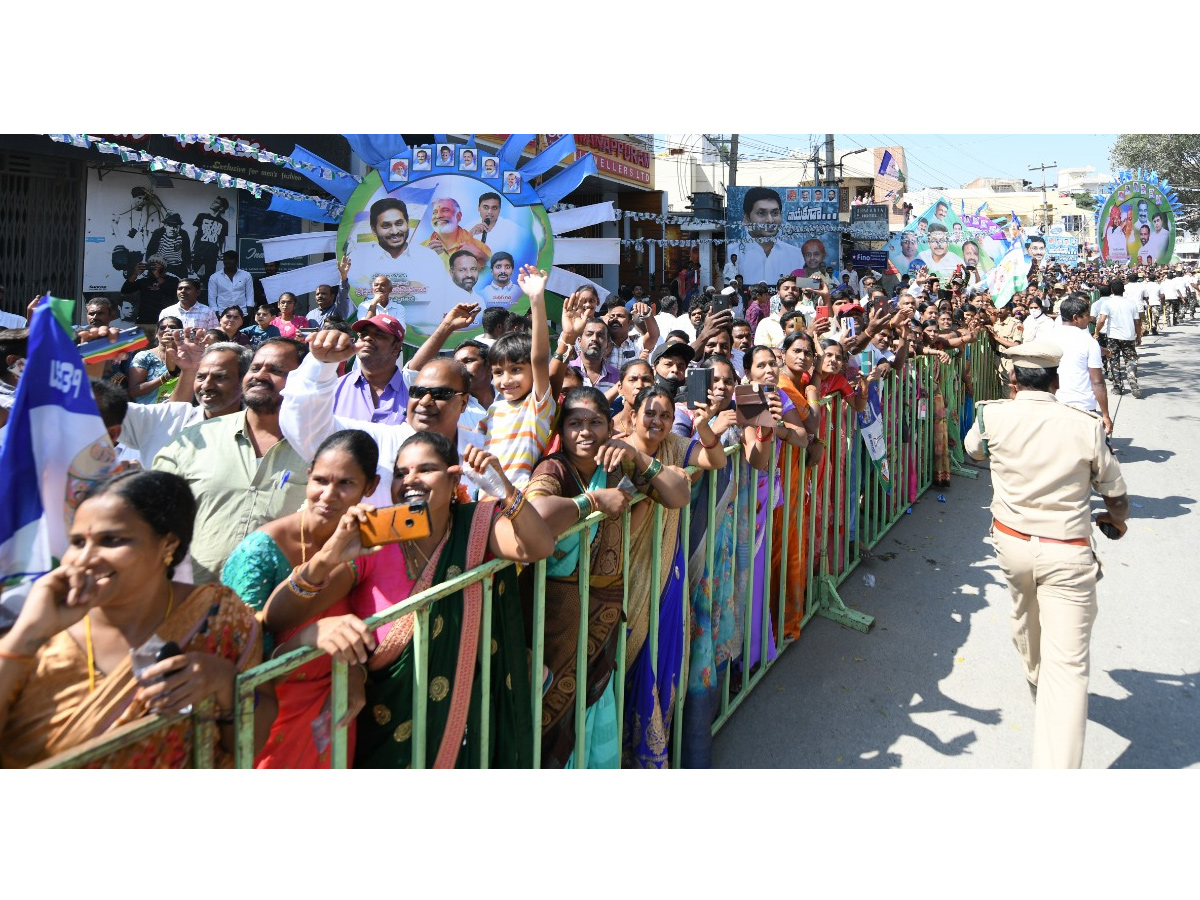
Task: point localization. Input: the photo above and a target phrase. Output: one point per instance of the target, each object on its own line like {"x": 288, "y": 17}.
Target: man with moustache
{"x": 241, "y": 469}
{"x": 491, "y": 229}
{"x": 416, "y": 276}
{"x": 448, "y": 234}
{"x": 502, "y": 290}
{"x": 436, "y": 401}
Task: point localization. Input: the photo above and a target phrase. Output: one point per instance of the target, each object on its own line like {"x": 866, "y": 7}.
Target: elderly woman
{"x": 461, "y": 536}
{"x": 66, "y": 670}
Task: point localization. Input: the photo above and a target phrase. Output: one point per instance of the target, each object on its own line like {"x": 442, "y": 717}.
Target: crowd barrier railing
{"x": 835, "y": 506}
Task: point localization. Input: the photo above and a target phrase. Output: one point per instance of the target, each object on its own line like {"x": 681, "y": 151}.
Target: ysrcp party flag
{"x": 888, "y": 165}
{"x": 1009, "y": 276}
{"x": 55, "y": 448}
{"x": 870, "y": 426}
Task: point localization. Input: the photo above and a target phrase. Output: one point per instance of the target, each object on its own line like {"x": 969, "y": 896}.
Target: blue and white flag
{"x": 870, "y": 426}
{"x": 55, "y": 448}
{"x": 888, "y": 165}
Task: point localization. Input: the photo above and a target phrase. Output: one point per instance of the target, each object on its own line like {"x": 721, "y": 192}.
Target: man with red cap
{"x": 375, "y": 390}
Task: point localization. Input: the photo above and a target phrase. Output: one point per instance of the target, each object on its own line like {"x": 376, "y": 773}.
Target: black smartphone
{"x": 699, "y": 382}
{"x": 721, "y": 303}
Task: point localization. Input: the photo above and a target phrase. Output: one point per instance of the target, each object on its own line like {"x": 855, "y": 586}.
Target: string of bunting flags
{"x": 820, "y": 226}
{"x": 197, "y": 173}
{"x": 218, "y": 144}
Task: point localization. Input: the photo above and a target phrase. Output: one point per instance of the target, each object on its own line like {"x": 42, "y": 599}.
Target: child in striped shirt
{"x": 519, "y": 420}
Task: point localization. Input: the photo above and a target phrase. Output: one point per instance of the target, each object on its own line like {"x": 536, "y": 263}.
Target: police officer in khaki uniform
{"x": 1046, "y": 458}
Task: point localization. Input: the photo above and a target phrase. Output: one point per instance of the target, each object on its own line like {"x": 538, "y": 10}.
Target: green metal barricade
{"x": 832, "y": 511}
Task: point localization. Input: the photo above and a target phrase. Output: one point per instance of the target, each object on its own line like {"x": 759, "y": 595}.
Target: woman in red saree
{"x": 66, "y": 672}
{"x": 341, "y": 474}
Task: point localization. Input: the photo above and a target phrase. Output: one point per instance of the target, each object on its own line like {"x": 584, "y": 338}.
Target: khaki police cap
{"x": 1038, "y": 354}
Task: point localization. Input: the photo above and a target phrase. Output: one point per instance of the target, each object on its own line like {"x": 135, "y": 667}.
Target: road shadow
{"x": 1160, "y": 718}
{"x": 1151, "y": 391}
{"x": 842, "y": 699}
{"x": 1129, "y": 452}
{"x": 1159, "y": 507}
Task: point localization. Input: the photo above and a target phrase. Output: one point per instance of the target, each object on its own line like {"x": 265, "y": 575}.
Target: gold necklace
{"x": 91, "y": 650}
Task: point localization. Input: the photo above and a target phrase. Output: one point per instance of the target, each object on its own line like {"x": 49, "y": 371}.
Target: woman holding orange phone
{"x": 461, "y": 536}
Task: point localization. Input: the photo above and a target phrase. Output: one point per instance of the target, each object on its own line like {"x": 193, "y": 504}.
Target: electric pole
{"x": 733, "y": 142}
{"x": 1045, "y": 208}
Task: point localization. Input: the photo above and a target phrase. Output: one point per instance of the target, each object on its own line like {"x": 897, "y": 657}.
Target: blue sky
{"x": 954, "y": 159}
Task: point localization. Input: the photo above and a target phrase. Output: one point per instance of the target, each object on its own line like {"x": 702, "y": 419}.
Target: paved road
{"x": 938, "y": 684}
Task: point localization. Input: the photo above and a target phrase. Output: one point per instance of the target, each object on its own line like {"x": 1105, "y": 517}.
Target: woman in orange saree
{"x": 66, "y": 670}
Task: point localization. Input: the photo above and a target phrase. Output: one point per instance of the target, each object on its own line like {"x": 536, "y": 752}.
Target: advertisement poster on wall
{"x": 132, "y": 217}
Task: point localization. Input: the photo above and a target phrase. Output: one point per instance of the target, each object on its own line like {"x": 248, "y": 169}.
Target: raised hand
{"x": 344, "y": 267}
{"x": 532, "y": 282}
{"x": 461, "y": 316}
{"x": 332, "y": 346}
{"x": 574, "y": 317}
{"x": 187, "y": 350}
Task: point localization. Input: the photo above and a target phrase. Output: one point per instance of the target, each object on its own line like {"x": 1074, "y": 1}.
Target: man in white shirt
{"x": 419, "y": 280}
{"x": 189, "y": 310}
{"x": 938, "y": 258}
{"x": 762, "y": 257}
{"x": 730, "y": 271}
{"x": 628, "y": 344}
{"x": 1121, "y": 321}
{"x": 231, "y": 286}
{"x": 1154, "y": 244}
{"x": 436, "y": 401}
{"x": 497, "y": 233}
{"x": 1037, "y": 322}
{"x": 1081, "y": 369}
{"x": 214, "y": 375}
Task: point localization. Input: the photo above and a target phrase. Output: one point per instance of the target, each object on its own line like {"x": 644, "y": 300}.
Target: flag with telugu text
{"x": 55, "y": 448}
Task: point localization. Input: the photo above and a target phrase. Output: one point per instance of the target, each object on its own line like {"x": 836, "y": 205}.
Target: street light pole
{"x": 1045, "y": 211}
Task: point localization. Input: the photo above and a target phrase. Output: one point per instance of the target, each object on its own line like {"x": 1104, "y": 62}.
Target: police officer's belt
{"x": 1075, "y": 542}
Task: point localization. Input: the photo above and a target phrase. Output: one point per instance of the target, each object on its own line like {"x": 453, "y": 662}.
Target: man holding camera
{"x": 1046, "y": 458}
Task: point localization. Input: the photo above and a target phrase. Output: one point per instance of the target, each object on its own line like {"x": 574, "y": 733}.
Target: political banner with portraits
{"x": 940, "y": 240}
{"x": 1063, "y": 248}
{"x": 776, "y": 231}
{"x": 1136, "y": 220}
{"x": 446, "y": 224}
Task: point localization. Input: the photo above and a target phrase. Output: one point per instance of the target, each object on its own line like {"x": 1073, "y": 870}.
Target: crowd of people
{"x": 263, "y": 446}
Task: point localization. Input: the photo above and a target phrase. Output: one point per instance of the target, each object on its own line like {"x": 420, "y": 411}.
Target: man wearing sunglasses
{"x": 436, "y": 401}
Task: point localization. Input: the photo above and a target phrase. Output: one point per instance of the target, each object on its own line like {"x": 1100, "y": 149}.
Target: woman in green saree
{"x": 566, "y": 487}
{"x": 462, "y": 536}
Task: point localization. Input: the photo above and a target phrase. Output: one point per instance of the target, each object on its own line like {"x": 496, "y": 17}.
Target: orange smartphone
{"x": 393, "y": 524}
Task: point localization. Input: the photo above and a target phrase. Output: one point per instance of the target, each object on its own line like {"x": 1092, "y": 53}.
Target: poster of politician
{"x": 776, "y": 231}
{"x": 1136, "y": 222}
{"x": 448, "y": 235}
{"x": 940, "y": 240}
